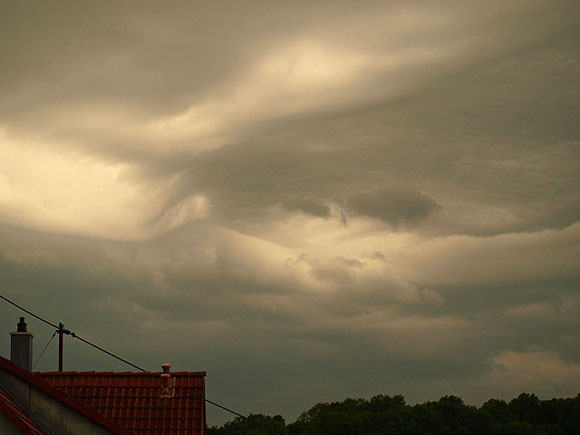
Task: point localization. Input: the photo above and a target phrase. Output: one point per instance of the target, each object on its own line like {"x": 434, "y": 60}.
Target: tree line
{"x": 385, "y": 415}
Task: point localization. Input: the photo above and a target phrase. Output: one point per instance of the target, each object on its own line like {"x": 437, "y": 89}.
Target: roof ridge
{"x": 140, "y": 401}
{"x": 61, "y": 396}
{"x": 95, "y": 373}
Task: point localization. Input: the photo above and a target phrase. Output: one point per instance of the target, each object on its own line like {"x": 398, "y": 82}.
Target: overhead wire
{"x": 44, "y": 350}
{"x": 225, "y": 409}
{"x": 29, "y": 312}
{"x": 61, "y": 330}
{"x": 74, "y": 335}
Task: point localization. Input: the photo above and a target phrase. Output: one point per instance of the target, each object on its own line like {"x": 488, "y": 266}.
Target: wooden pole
{"x": 60, "y": 348}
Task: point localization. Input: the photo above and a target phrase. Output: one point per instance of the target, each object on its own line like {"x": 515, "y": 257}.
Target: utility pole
{"x": 61, "y": 332}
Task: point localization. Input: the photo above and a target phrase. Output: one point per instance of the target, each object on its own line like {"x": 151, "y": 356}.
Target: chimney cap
{"x": 21, "y": 327}
{"x": 167, "y": 382}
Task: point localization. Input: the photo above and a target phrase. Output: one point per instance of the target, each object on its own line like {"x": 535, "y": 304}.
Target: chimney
{"x": 167, "y": 382}
{"x": 21, "y": 346}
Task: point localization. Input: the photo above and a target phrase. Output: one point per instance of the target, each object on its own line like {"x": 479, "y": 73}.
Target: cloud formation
{"x": 280, "y": 195}
{"x": 308, "y": 206}
{"x": 399, "y": 208}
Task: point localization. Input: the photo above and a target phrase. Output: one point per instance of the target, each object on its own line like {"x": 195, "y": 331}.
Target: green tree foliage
{"x": 254, "y": 424}
{"x": 385, "y": 415}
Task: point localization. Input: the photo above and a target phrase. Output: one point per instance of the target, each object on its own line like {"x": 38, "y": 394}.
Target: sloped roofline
{"x": 90, "y": 373}
{"x": 16, "y": 415}
{"x": 64, "y": 398}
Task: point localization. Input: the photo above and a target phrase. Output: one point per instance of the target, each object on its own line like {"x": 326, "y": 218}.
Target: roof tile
{"x": 133, "y": 400}
{"x": 39, "y": 384}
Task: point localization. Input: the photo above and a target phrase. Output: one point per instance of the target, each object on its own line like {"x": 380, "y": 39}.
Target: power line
{"x": 61, "y": 330}
{"x": 29, "y": 312}
{"x": 44, "y": 350}
{"x": 225, "y": 409}
{"x": 106, "y": 351}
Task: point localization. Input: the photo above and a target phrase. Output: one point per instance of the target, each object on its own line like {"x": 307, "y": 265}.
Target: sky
{"x": 308, "y": 200}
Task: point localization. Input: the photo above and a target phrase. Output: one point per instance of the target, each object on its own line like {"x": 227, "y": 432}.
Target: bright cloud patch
{"x": 44, "y": 189}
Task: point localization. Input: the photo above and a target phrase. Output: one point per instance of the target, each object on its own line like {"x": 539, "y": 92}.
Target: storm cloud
{"x": 282, "y": 194}
{"x": 398, "y": 208}
{"x": 309, "y": 206}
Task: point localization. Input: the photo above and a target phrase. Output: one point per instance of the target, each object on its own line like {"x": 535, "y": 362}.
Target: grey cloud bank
{"x": 282, "y": 195}
{"x": 399, "y": 208}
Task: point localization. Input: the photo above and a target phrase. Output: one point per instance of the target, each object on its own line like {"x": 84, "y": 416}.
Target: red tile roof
{"x": 77, "y": 405}
{"x": 133, "y": 400}
{"x": 16, "y": 415}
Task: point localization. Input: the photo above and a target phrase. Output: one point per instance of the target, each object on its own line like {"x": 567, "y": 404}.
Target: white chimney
{"x": 167, "y": 382}
{"x": 21, "y": 346}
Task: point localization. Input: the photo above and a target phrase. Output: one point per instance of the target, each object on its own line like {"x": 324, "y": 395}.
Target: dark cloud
{"x": 309, "y": 206}
{"x": 456, "y": 154}
{"x": 207, "y": 158}
{"x": 399, "y": 208}
{"x": 292, "y": 325}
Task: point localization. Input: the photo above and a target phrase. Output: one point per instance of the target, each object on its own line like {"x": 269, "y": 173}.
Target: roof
{"x": 16, "y": 415}
{"x": 134, "y": 400}
{"x": 60, "y": 396}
